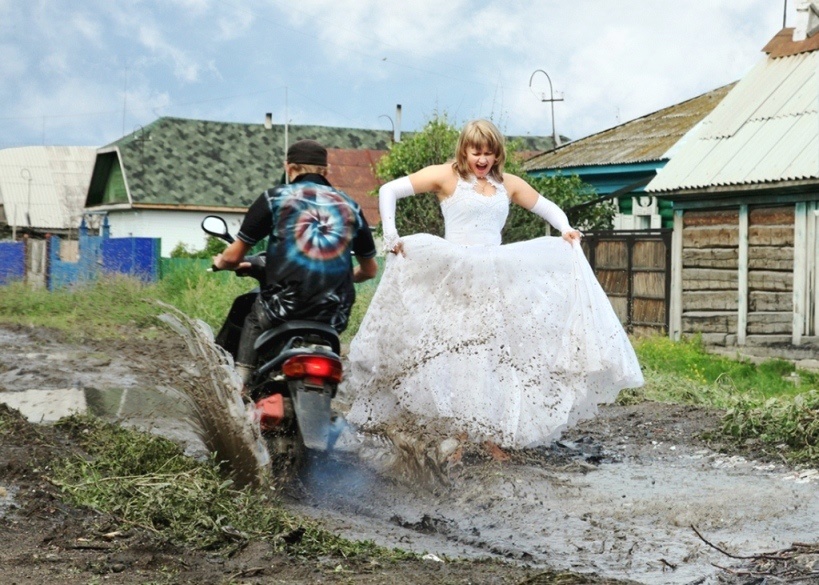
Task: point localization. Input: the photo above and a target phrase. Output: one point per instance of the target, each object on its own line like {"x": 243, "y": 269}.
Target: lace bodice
{"x": 472, "y": 219}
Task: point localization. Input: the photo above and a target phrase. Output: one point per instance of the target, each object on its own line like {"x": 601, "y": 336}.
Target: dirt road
{"x": 616, "y": 498}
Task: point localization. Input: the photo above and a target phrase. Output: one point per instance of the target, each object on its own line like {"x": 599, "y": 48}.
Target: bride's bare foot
{"x": 496, "y": 452}
{"x": 451, "y": 450}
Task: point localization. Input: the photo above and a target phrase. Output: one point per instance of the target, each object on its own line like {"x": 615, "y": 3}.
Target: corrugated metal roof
{"x": 765, "y": 130}
{"x": 783, "y": 45}
{"x": 645, "y": 139}
{"x": 44, "y": 187}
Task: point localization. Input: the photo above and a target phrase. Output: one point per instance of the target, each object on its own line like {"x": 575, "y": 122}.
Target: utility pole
{"x": 551, "y": 99}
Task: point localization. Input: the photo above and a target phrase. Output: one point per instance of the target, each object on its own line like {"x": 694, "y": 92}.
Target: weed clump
{"x": 145, "y": 481}
{"x": 790, "y": 422}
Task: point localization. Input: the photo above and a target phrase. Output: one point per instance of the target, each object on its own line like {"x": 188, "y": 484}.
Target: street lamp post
{"x": 392, "y": 126}
{"x": 551, "y": 99}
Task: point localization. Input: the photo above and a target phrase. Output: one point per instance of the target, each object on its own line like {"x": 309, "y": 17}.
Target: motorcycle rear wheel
{"x": 287, "y": 455}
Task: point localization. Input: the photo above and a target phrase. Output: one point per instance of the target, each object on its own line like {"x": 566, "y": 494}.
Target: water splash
{"x": 219, "y": 416}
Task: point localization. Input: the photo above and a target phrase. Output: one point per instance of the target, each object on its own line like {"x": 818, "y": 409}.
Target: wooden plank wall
{"x": 710, "y": 258}
{"x": 770, "y": 271}
{"x": 711, "y": 273}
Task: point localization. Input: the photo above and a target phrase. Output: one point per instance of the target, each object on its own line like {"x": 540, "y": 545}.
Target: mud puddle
{"x": 46, "y": 381}
{"x": 627, "y": 515}
{"x": 618, "y": 496}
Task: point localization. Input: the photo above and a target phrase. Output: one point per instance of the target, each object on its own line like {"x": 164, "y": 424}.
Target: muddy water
{"x": 629, "y": 516}
{"x": 47, "y": 381}
{"x": 606, "y": 500}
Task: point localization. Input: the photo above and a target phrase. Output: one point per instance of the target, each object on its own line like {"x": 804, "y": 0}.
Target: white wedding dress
{"x": 509, "y": 343}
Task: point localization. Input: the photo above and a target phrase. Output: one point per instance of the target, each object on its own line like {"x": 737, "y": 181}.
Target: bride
{"x": 507, "y": 344}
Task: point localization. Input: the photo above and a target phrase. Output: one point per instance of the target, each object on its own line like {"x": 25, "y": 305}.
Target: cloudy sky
{"x": 86, "y": 72}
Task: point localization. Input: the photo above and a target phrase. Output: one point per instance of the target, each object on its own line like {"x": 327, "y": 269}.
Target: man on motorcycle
{"x": 313, "y": 229}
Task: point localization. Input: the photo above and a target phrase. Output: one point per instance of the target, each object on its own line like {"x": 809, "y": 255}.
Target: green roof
{"x": 176, "y": 161}
{"x": 199, "y": 163}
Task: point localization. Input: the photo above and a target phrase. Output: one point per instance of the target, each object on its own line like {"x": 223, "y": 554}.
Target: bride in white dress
{"x": 467, "y": 337}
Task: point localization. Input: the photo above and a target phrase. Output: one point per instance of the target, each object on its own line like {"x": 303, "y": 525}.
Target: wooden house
{"x": 632, "y": 262}
{"x": 43, "y": 188}
{"x": 745, "y": 192}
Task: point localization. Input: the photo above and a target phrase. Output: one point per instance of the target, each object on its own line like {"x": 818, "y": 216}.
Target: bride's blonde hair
{"x": 480, "y": 134}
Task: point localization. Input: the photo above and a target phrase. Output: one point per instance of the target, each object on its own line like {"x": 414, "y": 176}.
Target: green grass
{"x": 105, "y": 308}
{"x": 771, "y": 401}
{"x": 688, "y": 360}
{"x": 146, "y": 481}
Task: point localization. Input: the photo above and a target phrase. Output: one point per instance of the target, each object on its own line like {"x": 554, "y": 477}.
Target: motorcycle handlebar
{"x": 256, "y": 270}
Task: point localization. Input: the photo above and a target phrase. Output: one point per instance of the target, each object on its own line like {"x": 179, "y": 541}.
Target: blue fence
{"x": 138, "y": 257}
{"x": 12, "y": 261}
{"x": 102, "y": 254}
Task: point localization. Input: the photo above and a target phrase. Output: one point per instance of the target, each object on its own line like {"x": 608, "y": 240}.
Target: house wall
{"x": 709, "y": 274}
{"x": 173, "y": 227}
{"x": 770, "y": 270}
{"x": 737, "y": 274}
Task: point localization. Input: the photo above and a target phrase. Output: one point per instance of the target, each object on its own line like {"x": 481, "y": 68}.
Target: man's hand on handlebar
{"x": 219, "y": 263}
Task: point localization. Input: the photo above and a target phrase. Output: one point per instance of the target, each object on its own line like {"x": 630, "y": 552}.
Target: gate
{"x": 634, "y": 269}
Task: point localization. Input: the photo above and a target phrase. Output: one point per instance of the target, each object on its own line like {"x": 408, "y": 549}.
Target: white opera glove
{"x": 388, "y": 195}
{"x": 553, "y": 214}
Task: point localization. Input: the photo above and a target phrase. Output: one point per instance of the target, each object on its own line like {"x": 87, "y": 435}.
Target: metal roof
{"x": 644, "y": 139}
{"x": 353, "y": 172}
{"x": 44, "y": 187}
{"x": 765, "y": 130}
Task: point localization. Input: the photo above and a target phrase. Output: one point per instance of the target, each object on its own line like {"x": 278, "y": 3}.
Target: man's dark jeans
{"x": 256, "y": 323}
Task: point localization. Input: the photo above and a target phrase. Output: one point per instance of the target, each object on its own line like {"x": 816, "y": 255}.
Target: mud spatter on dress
{"x": 510, "y": 343}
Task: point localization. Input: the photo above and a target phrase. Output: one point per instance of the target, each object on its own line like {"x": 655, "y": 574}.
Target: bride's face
{"x": 480, "y": 160}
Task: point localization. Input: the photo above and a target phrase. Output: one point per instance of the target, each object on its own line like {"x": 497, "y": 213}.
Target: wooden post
{"x": 813, "y": 282}
{"x": 742, "y": 288}
{"x": 675, "y": 311}
{"x": 799, "y": 271}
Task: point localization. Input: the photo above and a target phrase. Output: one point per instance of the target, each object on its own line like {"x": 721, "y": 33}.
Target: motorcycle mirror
{"x": 217, "y": 227}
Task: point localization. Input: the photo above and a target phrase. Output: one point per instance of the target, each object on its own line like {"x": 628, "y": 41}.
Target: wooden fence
{"x": 634, "y": 268}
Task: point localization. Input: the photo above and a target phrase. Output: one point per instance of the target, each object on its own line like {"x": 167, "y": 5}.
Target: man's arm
{"x": 232, "y": 257}
{"x": 364, "y": 250}
{"x": 367, "y": 268}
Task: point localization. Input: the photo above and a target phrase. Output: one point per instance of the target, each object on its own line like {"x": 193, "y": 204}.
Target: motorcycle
{"x": 296, "y": 374}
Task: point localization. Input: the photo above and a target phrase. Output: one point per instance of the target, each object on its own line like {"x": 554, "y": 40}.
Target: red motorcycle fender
{"x": 270, "y": 411}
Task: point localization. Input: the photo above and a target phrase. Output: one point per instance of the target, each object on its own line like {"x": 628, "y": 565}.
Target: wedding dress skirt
{"x": 509, "y": 343}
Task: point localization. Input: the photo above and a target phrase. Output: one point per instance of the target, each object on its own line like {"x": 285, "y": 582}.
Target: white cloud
{"x": 230, "y": 60}
{"x": 419, "y": 28}
{"x": 13, "y": 64}
{"x": 55, "y": 64}
{"x": 89, "y": 29}
{"x": 234, "y": 24}
{"x": 184, "y": 67}
{"x": 631, "y": 60}
{"x": 195, "y": 6}
{"x": 82, "y": 107}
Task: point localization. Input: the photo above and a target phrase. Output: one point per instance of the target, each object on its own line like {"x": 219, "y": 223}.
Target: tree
{"x": 433, "y": 145}
{"x": 436, "y": 143}
{"x": 213, "y": 246}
